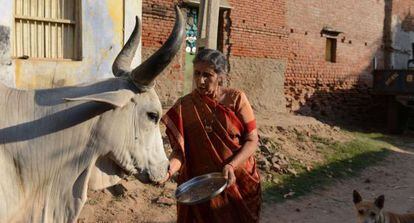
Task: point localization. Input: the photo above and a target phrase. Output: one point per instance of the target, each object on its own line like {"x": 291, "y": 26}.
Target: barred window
{"x": 47, "y": 29}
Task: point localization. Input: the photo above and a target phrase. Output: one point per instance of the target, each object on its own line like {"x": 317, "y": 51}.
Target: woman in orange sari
{"x": 213, "y": 129}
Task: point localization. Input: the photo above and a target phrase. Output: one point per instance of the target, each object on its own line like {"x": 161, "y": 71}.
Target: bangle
{"x": 231, "y": 165}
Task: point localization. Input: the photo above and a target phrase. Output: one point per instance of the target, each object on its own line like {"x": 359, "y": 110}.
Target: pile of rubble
{"x": 283, "y": 149}
{"x": 270, "y": 160}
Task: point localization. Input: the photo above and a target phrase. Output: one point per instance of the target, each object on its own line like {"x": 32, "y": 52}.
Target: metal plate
{"x": 201, "y": 188}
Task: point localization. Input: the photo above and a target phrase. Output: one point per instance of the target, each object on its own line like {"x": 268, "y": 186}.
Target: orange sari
{"x": 207, "y": 135}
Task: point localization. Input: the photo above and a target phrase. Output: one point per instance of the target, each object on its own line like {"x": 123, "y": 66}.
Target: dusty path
{"x": 394, "y": 177}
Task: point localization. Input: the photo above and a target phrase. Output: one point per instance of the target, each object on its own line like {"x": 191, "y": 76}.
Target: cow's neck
{"x": 48, "y": 174}
{"x": 45, "y": 151}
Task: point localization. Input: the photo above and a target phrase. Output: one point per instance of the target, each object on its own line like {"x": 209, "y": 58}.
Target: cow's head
{"x": 130, "y": 132}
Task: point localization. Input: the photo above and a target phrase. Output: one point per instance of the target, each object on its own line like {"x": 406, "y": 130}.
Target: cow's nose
{"x": 159, "y": 171}
{"x": 143, "y": 177}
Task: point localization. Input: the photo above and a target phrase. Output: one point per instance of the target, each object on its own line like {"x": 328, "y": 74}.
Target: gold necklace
{"x": 208, "y": 124}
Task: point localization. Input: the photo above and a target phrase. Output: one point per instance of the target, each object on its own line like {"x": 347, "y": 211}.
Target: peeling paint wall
{"x": 6, "y": 65}
{"x": 102, "y": 39}
{"x": 402, "y": 33}
{"x": 401, "y": 47}
{"x": 133, "y": 8}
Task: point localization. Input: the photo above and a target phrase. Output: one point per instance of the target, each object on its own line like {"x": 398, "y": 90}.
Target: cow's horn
{"x": 145, "y": 73}
{"x": 122, "y": 63}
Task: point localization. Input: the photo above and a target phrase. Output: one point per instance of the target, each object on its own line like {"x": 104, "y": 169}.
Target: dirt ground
{"x": 393, "y": 177}
{"x": 135, "y": 202}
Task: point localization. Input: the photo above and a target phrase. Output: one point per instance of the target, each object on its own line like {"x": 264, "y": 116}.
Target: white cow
{"x": 55, "y": 143}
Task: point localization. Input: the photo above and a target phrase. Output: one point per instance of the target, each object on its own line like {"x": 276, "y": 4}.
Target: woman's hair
{"x": 213, "y": 57}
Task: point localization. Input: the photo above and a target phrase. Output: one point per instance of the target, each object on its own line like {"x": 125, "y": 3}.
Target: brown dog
{"x": 372, "y": 212}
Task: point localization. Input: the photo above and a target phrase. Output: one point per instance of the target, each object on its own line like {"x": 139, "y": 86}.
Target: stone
{"x": 275, "y": 159}
{"x": 290, "y": 194}
{"x": 292, "y": 171}
{"x": 165, "y": 201}
{"x": 264, "y": 149}
{"x": 276, "y": 167}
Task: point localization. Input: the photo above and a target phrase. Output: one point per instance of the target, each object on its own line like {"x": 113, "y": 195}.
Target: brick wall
{"x": 277, "y": 52}
{"x": 258, "y": 29}
{"x": 158, "y": 18}
{"x": 253, "y": 34}
{"x": 333, "y": 90}
{"x": 257, "y": 52}
{"x": 254, "y": 42}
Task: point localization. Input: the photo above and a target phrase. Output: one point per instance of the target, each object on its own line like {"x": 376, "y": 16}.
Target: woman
{"x": 213, "y": 129}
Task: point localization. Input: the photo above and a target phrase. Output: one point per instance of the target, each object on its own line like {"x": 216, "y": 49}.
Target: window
{"x": 330, "y": 54}
{"x": 193, "y": 7}
{"x": 191, "y": 30}
{"x": 48, "y": 29}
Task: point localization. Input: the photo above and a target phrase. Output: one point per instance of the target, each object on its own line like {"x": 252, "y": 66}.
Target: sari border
{"x": 174, "y": 130}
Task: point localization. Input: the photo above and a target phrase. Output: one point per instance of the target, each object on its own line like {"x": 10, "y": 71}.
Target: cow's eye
{"x": 372, "y": 214}
{"x": 153, "y": 116}
{"x": 361, "y": 212}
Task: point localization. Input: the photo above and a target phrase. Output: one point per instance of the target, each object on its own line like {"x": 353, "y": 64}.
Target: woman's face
{"x": 205, "y": 78}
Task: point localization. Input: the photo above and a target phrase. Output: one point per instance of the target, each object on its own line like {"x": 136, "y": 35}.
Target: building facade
{"x": 312, "y": 57}
{"x": 367, "y": 35}
{"x": 53, "y": 43}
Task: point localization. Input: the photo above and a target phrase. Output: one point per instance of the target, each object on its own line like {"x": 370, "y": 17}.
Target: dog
{"x": 372, "y": 212}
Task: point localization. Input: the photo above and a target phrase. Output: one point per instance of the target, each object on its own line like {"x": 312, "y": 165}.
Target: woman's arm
{"x": 247, "y": 150}
{"x": 244, "y": 112}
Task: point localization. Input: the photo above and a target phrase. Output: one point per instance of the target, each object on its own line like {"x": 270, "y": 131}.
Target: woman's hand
{"x": 175, "y": 165}
{"x": 166, "y": 178}
{"x": 228, "y": 173}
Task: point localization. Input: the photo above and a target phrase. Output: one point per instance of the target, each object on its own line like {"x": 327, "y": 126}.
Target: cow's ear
{"x": 116, "y": 98}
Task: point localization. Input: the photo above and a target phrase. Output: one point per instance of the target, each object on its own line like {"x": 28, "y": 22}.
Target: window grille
{"x": 47, "y": 29}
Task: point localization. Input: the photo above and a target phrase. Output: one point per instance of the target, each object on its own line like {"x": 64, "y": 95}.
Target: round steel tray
{"x": 201, "y": 188}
